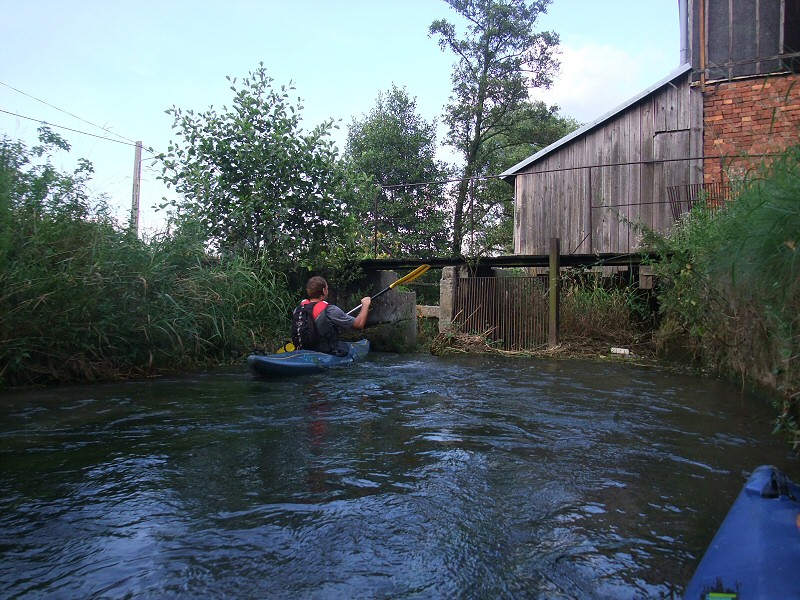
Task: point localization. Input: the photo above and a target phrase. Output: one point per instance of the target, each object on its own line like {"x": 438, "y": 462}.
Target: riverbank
{"x": 643, "y": 353}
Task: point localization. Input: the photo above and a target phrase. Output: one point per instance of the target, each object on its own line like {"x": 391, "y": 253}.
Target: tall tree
{"x": 396, "y": 147}
{"x": 498, "y": 60}
{"x": 254, "y": 179}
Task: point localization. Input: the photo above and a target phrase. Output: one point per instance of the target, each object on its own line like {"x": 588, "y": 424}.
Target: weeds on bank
{"x": 110, "y": 305}
{"x": 601, "y": 312}
{"x": 730, "y": 283}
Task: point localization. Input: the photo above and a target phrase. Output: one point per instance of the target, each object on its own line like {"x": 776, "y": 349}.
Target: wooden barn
{"x": 592, "y": 188}
{"x": 644, "y": 163}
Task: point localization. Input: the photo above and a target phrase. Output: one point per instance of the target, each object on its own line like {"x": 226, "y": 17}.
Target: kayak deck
{"x": 756, "y": 551}
{"x": 304, "y": 362}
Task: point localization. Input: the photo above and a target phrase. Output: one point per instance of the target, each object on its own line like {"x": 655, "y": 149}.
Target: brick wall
{"x": 748, "y": 117}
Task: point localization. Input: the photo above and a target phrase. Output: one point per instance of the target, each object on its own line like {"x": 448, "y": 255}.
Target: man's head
{"x": 316, "y": 287}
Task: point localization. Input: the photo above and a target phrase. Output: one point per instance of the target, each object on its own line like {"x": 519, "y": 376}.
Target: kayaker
{"x": 328, "y": 319}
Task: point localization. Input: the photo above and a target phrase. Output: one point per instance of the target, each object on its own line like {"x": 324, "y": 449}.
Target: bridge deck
{"x": 515, "y": 260}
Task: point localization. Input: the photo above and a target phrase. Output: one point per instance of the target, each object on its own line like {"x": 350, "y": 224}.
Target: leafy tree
{"x": 32, "y": 190}
{"x": 396, "y": 147}
{"x": 255, "y": 181}
{"x": 498, "y": 60}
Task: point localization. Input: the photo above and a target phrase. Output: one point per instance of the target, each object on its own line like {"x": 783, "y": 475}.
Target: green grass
{"x": 597, "y": 309}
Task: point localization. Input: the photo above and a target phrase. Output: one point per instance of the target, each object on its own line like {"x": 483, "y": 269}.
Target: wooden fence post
{"x": 554, "y": 290}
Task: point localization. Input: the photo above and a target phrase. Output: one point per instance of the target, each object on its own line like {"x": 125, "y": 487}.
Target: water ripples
{"x": 405, "y": 477}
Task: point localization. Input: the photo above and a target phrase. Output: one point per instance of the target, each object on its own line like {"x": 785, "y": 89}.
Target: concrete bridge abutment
{"x": 392, "y": 321}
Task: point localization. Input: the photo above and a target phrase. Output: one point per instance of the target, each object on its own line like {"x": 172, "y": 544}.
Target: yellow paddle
{"x": 289, "y": 346}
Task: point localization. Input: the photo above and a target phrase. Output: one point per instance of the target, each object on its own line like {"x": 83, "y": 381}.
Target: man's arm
{"x": 361, "y": 319}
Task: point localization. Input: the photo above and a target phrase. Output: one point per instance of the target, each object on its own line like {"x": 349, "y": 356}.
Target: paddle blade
{"x": 411, "y": 276}
{"x": 287, "y": 347}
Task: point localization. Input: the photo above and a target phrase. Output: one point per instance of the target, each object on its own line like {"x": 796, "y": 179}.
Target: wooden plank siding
{"x": 593, "y": 190}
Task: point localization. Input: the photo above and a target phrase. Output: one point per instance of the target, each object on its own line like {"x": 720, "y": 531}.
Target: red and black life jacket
{"x": 310, "y": 328}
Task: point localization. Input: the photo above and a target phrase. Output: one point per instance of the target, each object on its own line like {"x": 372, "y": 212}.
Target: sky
{"x": 112, "y": 68}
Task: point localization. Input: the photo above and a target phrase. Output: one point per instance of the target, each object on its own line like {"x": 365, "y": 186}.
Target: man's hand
{"x": 361, "y": 319}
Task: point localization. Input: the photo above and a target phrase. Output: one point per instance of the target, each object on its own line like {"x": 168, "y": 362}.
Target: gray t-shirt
{"x": 338, "y": 317}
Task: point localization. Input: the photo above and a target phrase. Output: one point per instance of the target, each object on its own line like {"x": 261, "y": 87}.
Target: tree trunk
{"x": 458, "y": 215}
{"x": 463, "y": 189}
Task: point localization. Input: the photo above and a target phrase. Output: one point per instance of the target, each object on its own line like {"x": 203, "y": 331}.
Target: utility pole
{"x": 137, "y": 182}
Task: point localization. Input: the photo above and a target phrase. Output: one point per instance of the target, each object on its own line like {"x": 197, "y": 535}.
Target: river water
{"x": 408, "y": 476}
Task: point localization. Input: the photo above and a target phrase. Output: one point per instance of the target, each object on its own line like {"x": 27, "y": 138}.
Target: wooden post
{"x": 137, "y": 180}
{"x": 554, "y": 290}
{"x": 702, "y": 24}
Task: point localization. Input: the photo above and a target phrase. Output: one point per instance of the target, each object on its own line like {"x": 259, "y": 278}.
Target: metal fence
{"x": 683, "y": 197}
{"x": 510, "y": 311}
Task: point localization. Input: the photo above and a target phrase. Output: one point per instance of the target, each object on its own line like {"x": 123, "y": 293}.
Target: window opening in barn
{"x": 791, "y": 35}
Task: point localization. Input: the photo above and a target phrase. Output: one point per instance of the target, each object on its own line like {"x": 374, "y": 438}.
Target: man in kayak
{"x": 316, "y": 323}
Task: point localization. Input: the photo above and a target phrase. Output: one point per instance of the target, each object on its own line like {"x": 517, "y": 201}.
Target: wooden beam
{"x": 514, "y": 260}
{"x": 554, "y": 291}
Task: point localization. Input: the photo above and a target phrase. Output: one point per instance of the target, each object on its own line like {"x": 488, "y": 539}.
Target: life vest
{"x": 318, "y": 306}
{"x": 311, "y": 329}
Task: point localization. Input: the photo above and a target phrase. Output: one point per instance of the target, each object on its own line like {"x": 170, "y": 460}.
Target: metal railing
{"x": 683, "y": 197}
{"x": 510, "y": 311}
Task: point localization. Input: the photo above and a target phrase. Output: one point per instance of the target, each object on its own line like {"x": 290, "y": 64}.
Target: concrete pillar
{"x": 392, "y": 321}
{"x": 447, "y": 290}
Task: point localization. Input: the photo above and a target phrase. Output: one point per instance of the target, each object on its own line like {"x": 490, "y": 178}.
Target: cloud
{"x": 595, "y": 79}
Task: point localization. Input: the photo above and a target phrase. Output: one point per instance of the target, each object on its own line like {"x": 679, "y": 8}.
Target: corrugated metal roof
{"x": 509, "y": 173}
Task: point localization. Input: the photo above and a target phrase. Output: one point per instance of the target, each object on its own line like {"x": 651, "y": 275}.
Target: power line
{"x": 94, "y": 135}
{"x": 68, "y": 128}
{"x": 652, "y": 162}
{"x": 67, "y": 113}
{"x": 441, "y": 182}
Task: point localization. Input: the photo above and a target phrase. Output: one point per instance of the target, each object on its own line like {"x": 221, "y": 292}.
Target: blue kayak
{"x": 756, "y": 551}
{"x": 305, "y": 362}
